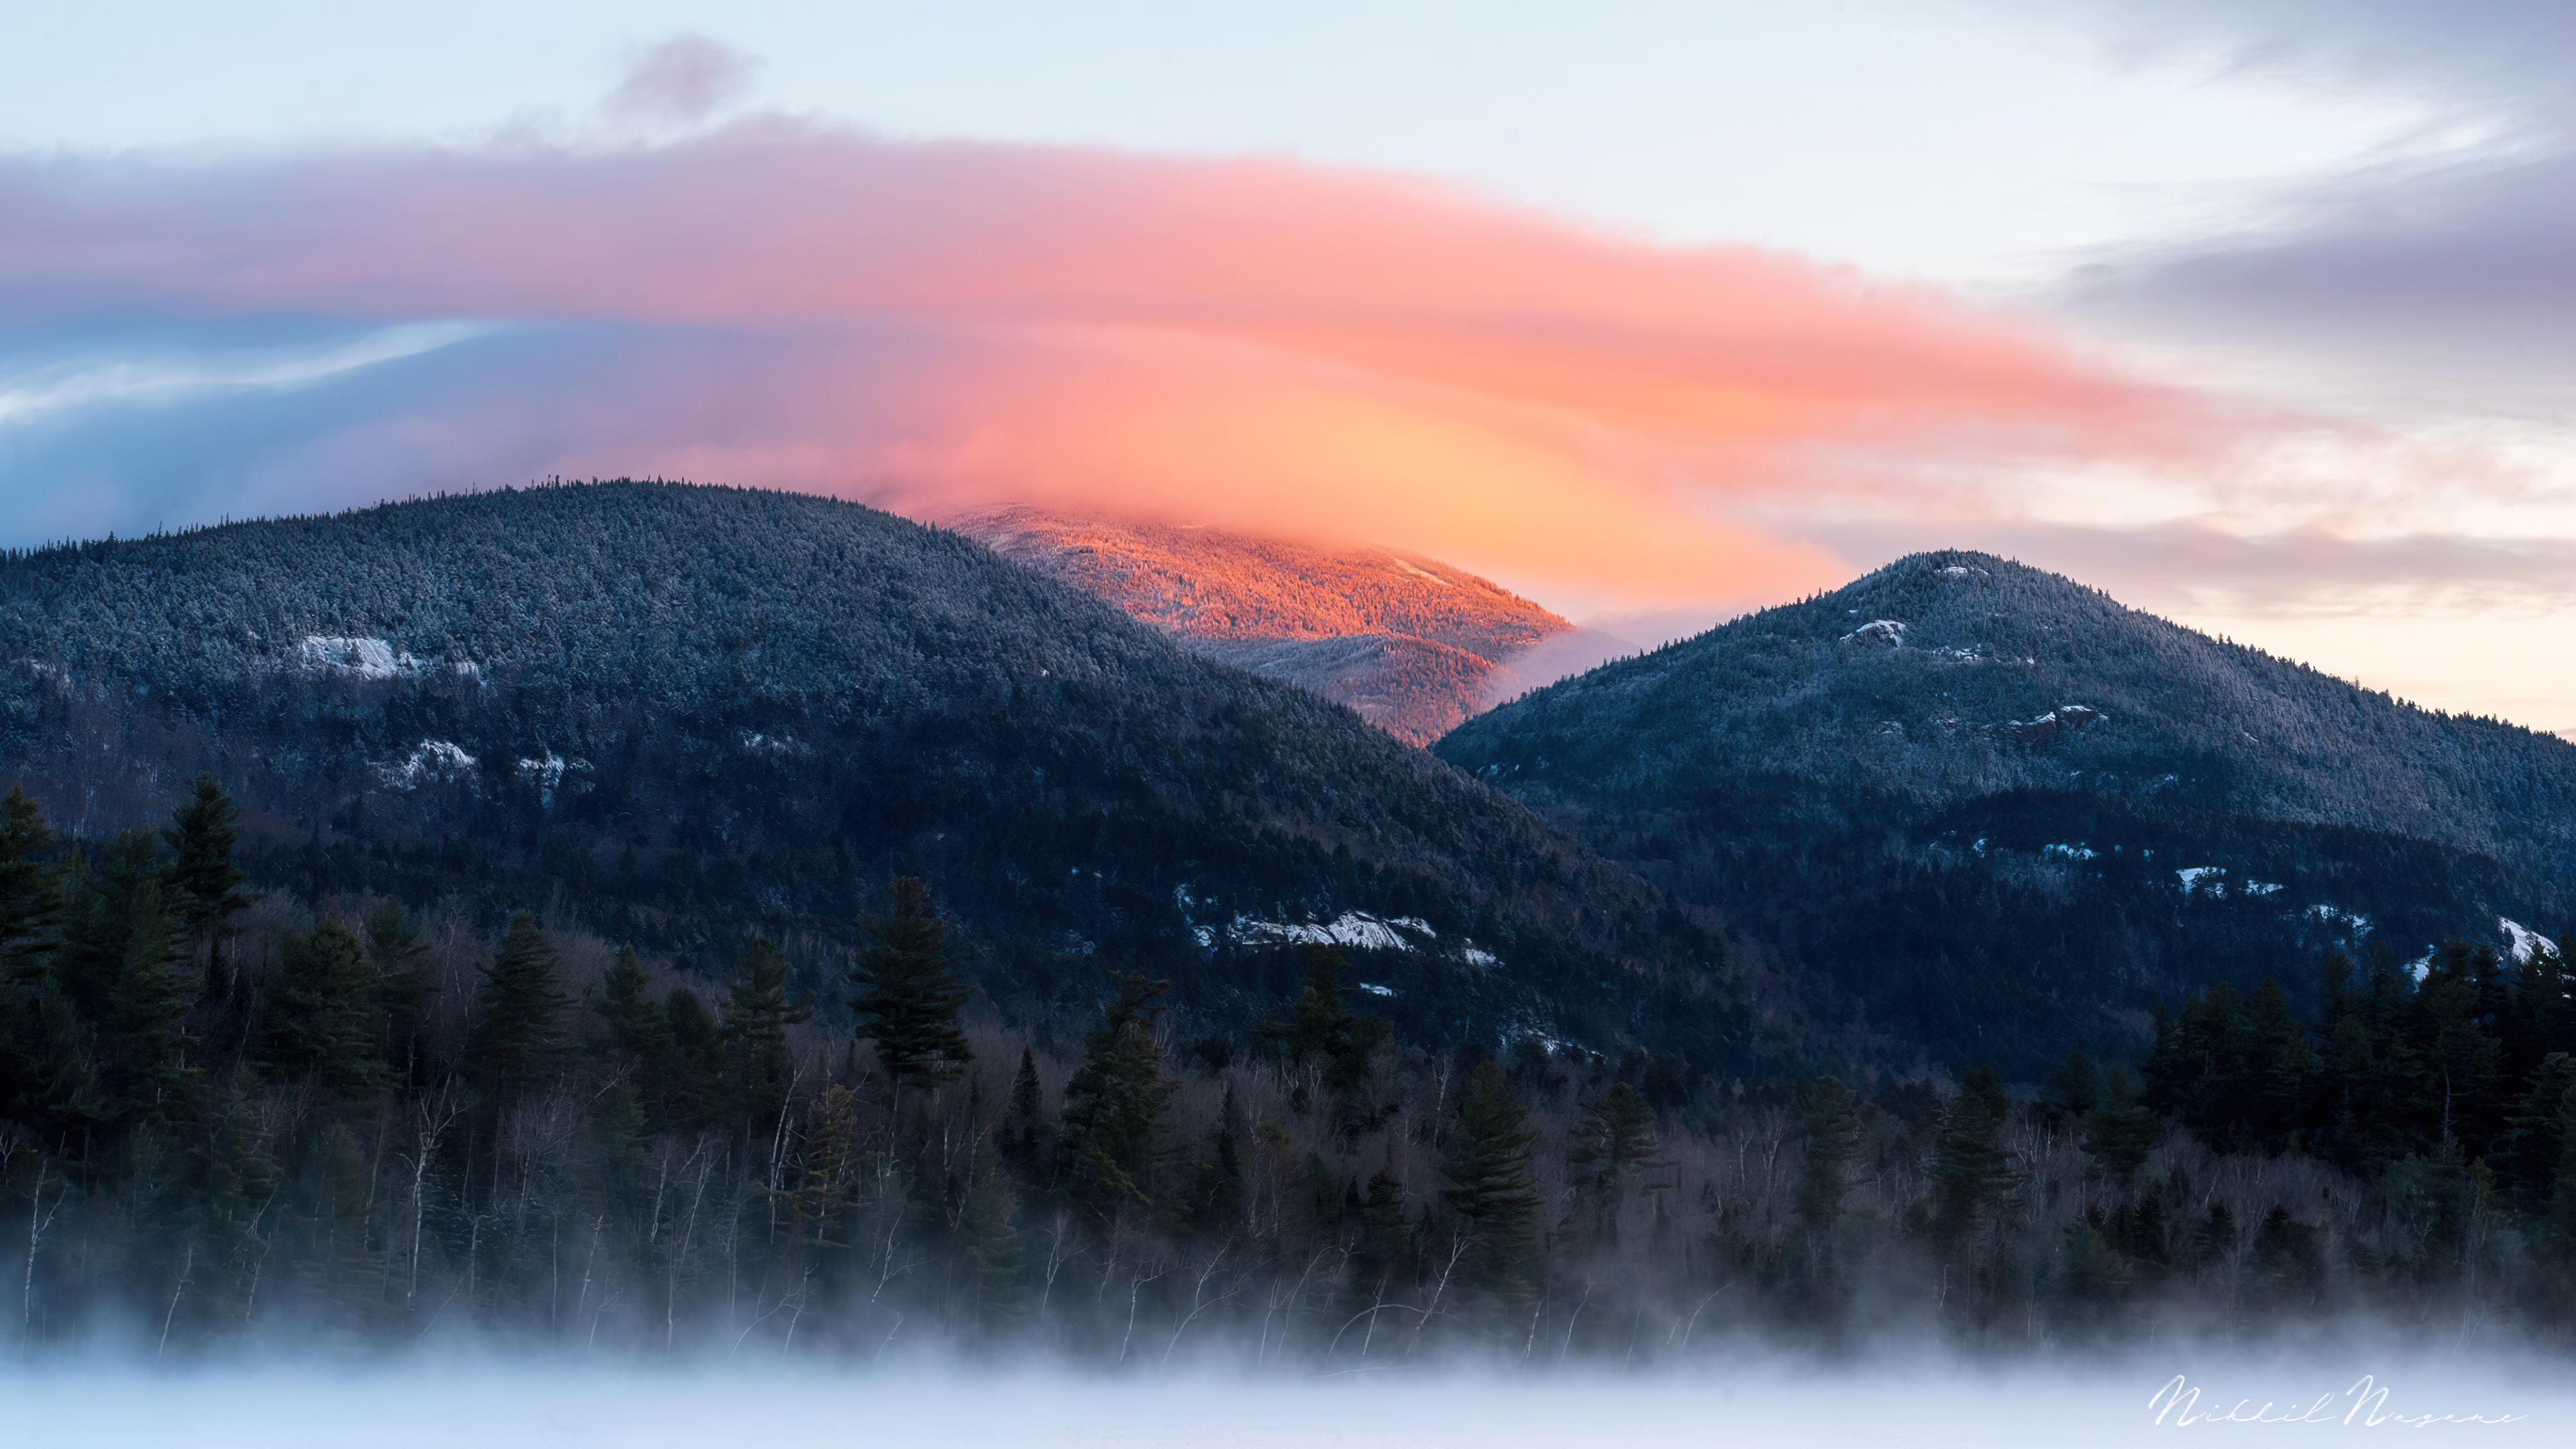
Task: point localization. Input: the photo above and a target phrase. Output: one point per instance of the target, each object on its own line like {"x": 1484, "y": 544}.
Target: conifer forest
{"x": 230, "y": 1115}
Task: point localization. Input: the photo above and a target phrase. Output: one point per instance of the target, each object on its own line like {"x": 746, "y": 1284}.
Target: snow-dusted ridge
{"x": 358, "y": 657}
{"x": 430, "y": 762}
{"x": 2522, "y": 942}
{"x": 1357, "y": 930}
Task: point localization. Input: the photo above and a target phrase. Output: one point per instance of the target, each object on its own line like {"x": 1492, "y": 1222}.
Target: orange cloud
{"x": 1256, "y": 343}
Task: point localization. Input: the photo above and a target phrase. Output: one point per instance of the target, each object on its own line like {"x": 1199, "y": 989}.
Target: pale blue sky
{"x": 1970, "y": 142}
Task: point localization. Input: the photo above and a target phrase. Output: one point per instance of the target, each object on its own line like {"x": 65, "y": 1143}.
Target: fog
{"x": 1739, "y": 1399}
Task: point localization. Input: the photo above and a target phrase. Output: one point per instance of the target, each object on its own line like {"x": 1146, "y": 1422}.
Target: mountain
{"x": 2007, "y": 814}
{"x": 677, "y": 714}
{"x": 1411, "y": 643}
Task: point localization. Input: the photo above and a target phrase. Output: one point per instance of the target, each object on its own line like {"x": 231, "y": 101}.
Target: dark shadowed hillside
{"x": 1411, "y": 643}
{"x": 675, "y": 713}
{"x": 2008, "y": 811}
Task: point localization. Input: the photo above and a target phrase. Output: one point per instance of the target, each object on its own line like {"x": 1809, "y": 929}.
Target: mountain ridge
{"x": 1975, "y": 792}
{"x": 1412, "y": 643}
{"x": 686, "y": 712}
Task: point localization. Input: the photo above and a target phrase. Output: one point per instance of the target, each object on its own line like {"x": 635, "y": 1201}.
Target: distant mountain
{"x": 2006, "y": 812}
{"x": 1411, "y": 643}
{"x": 676, "y": 714}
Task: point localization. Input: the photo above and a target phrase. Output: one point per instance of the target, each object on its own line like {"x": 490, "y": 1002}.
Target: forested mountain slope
{"x": 1411, "y": 643}
{"x": 676, "y": 713}
{"x": 2004, "y": 807}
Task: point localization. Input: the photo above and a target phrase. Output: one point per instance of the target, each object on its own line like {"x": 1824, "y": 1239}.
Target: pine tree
{"x": 2120, "y": 1133}
{"x": 1615, "y": 1140}
{"x": 1830, "y": 1133}
{"x": 2074, "y": 1088}
{"x": 399, "y": 956}
{"x": 909, "y": 999}
{"x": 31, "y": 893}
{"x": 99, "y": 927}
{"x": 1491, "y": 1192}
{"x": 1322, "y": 1027}
{"x": 687, "y": 1081}
{"x": 757, "y": 1013}
{"x": 1114, "y": 1104}
{"x": 150, "y": 1080}
{"x": 635, "y": 1021}
{"x": 323, "y": 1018}
{"x": 517, "y": 1014}
{"x": 1972, "y": 1170}
{"x": 992, "y": 1236}
{"x": 42, "y": 1072}
{"x": 1024, "y": 1133}
{"x": 206, "y": 883}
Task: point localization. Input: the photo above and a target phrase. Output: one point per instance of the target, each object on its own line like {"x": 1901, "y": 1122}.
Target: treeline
{"x": 227, "y": 1119}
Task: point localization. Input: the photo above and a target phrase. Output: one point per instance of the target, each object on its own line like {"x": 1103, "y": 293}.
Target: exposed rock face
{"x": 1413, "y": 644}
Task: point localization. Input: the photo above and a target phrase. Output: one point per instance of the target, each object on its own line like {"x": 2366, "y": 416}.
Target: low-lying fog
{"x": 483, "y": 1404}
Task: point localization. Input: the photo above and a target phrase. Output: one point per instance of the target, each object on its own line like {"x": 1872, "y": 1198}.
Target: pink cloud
{"x": 1252, "y": 342}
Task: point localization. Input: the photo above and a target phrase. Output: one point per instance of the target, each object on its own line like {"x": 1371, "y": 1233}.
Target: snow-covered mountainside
{"x": 680, "y": 714}
{"x": 1411, "y": 643}
{"x": 1986, "y": 795}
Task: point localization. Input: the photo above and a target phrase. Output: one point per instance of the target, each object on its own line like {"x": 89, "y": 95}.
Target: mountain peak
{"x": 1412, "y": 643}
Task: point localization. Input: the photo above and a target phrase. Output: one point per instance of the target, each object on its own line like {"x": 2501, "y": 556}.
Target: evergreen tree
{"x": 31, "y": 892}
{"x": 1114, "y": 1103}
{"x": 323, "y": 1018}
{"x": 98, "y": 929}
{"x": 1831, "y": 1132}
{"x": 1615, "y": 1140}
{"x": 1491, "y": 1191}
{"x": 1024, "y": 1132}
{"x": 992, "y": 1239}
{"x": 687, "y": 1079}
{"x": 150, "y": 1080}
{"x": 1322, "y": 1027}
{"x": 2074, "y": 1088}
{"x": 1972, "y": 1169}
{"x": 206, "y": 883}
{"x": 757, "y": 1013}
{"x": 2120, "y": 1133}
{"x": 42, "y": 1071}
{"x": 518, "y": 1014}
{"x": 909, "y": 999}
{"x": 636, "y": 1024}
{"x": 399, "y": 956}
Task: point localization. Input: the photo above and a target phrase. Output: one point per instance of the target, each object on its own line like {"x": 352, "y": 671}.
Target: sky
{"x": 2259, "y": 315}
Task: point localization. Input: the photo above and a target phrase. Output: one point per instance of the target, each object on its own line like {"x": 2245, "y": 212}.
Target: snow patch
{"x": 1961, "y": 571}
{"x": 2521, "y": 942}
{"x": 430, "y": 762}
{"x": 2069, "y": 852}
{"x": 356, "y": 658}
{"x": 756, "y": 743}
{"x": 2260, "y": 887}
{"x": 1890, "y": 632}
{"x": 2207, "y": 878}
{"x": 1373, "y": 989}
{"x": 1351, "y": 928}
{"x": 2358, "y": 923}
{"x": 547, "y": 773}
{"x": 1476, "y": 957}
